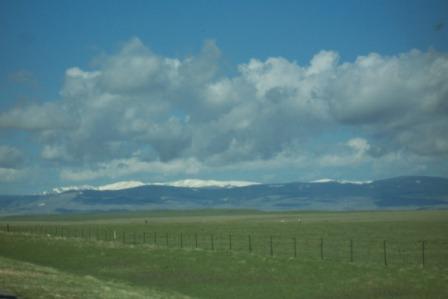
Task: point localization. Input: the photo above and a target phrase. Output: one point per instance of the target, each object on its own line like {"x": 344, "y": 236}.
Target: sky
{"x": 95, "y": 92}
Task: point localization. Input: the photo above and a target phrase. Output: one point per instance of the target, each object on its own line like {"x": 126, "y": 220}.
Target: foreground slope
{"x": 27, "y": 280}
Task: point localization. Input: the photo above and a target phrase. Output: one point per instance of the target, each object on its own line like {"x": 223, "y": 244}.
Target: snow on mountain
{"x": 71, "y": 188}
{"x": 195, "y": 183}
{"x": 189, "y": 183}
{"x": 341, "y": 181}
{"x": 121, "y": 185}
{"x": 354, "y": 182}
{"x": 324, "y": 181}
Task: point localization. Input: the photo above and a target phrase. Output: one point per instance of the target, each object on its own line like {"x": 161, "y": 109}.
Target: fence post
{"x": 423, "y": 253}
{"x": 351, "y": 251}
{"x": 295, "y": 246}
{"x": 7, "y": 228}
{"x": 167, "y": 240}
{"x": 155, "y": 238}
{"x": 271, "y": 246}
{"x": 230, "y": 242}
{"x": 181, "y": 241}
{"x": 321, "y": 248}
{"x": 385, "y": 252}
{"x": 250, "y": 244}
{"x": 196, "y": 240}
{"x": 212, "y": 242}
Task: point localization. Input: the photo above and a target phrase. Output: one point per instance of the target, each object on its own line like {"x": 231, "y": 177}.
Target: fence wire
{"x": 378, "y": 251}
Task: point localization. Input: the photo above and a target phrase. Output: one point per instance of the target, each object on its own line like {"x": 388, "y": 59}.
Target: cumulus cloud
{"x": 48, "y": 116}
{"x": 140, "y": 112}
{"x": 125, "y": 167}
{"x": 401, "y": 99}
{"x": 354, "y": 151}
{"x": 10, "y": 157}
{"x": 11, "y": 163}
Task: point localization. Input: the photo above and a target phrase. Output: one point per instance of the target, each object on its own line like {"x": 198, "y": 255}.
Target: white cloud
{"x": 54, "y": 152}
{"x": 139, "y": 112}
{"x": 11, "y": 164}
{"x": 359, "y": 145}
{"x": 47, "y": 116}
{"x": 125, "y": 167}
{"x": 8, "y": 175}
{"x": 357, "y": 153}
{"x": 10, "y": 157}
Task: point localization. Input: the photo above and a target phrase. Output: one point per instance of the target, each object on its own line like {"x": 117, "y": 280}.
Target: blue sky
{"x": 93, "y": 92}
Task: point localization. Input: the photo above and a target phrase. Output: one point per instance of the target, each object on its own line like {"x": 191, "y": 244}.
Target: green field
{"x": 236, "y": 254}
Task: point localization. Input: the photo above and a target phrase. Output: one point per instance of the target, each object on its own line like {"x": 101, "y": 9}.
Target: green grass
{"x": 357, "y": 236}
{"x": 221, "y": 273}
{"x": 28, "y": 280}
{"x": 206, "y": 274}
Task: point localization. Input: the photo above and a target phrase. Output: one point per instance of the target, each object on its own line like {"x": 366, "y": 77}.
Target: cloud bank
{"x": 141, "y": 113}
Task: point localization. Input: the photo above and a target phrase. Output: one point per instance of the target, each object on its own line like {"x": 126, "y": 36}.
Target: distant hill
{"x": 409, "y": 192}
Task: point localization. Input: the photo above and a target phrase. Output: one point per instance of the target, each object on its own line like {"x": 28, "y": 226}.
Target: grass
{"x": 357, "y": 236}
{"x": 28, "y": 280}
{"x": 203, "y": 273}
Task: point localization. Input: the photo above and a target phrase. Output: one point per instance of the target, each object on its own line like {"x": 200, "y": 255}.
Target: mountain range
{"x": 409, "y": 192}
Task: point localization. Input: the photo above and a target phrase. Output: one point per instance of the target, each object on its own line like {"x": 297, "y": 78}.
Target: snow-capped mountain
{"x": 195, "y": 183}
{"x": 394, "y": 193}
{"x": 188, "y": 183}
{"x": 341, "y": 181}
{"x": 114, "y": 186}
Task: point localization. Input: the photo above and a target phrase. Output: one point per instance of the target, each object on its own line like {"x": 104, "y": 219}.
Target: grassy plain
{"x": 225, "y": 264}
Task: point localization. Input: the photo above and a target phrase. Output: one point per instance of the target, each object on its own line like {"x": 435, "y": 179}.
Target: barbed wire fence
{"x": 379, "y": 251}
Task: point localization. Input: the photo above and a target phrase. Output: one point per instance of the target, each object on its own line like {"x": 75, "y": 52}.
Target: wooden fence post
{"x": 385, "y": 252}
{"x": 351, "y": 251}
{"x": 295, "y": 246}
{"x": 181, "y": 241}
{"x": 423, "y": 253}
{"x": 212, "y": 240}
{"x": 250, "y": 244}
{"x": 321, "y": 248}
{"x": 230, "y": 242}
{"x": 271, "y": 247}
{"x": 195, "y": 240}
